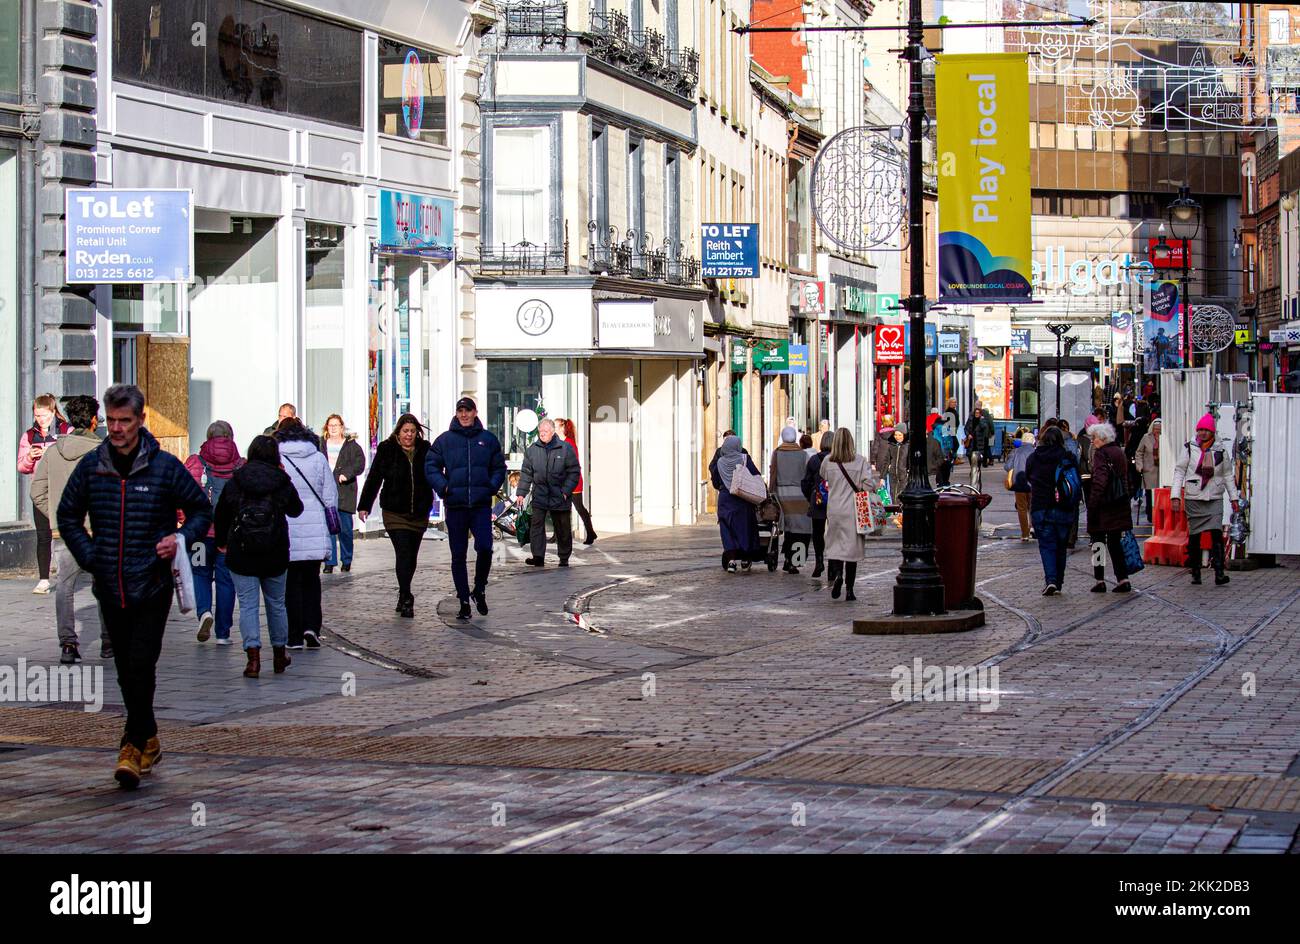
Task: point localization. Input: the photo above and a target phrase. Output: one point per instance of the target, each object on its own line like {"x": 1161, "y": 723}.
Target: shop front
{"x": 623, "y": 367}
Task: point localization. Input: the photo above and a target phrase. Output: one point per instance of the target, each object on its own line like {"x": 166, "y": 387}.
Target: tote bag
{"x": 1132, "y": 553}
{"x": 748, "y": 486}
{"x": 862, "y": 501}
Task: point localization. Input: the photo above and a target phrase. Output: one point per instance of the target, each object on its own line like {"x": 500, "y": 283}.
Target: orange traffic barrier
{"x": 1168, "y": 542}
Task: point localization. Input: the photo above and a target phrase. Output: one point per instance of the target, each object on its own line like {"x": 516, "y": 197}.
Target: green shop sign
{"x": 739, "y": 363}
{"x": 772, "y": 357}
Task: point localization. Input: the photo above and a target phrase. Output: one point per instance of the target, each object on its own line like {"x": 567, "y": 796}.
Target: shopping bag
{"x": 1132, "y": 553}
{"x": 522, "y": 524}
{"x": 183, "y": 577}
{"x": 748, "y": 486}
{"x": 866, "y": 514}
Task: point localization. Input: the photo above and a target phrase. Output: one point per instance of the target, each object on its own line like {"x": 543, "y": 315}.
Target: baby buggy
{"x": 771, "y": 526}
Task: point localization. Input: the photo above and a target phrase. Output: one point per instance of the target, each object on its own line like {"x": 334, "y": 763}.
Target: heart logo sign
{"x": 889, "y": 344}
{"x": 1164, "y": 301}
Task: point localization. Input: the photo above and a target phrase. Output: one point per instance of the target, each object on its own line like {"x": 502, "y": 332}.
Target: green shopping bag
{"x": 522, "y": 524}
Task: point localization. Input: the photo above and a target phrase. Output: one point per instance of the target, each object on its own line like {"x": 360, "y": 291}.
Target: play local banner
{"x": 984, "y": 242}
{"x": 1121, "y": 336}
{"x": 1162, "y": 347}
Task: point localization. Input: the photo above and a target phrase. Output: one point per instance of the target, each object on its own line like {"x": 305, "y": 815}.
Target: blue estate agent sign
{"x": 134, "y": 236}
{"x": 729, "y": 250}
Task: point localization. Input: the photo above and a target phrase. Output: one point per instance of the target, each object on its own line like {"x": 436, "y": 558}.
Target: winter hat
{"x": 789, "y": 435}
{"x": 1207, "y": 422}
{"x": 1090, "y": 421}
{"x": 901, "y": 428}
{"x": 1156, "y": 422}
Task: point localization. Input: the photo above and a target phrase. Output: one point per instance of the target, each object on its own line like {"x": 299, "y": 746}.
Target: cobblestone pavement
{"x": 644, "y": 700}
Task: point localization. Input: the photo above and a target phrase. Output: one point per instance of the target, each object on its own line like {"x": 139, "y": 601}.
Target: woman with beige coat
{"x": 846, "y": 473}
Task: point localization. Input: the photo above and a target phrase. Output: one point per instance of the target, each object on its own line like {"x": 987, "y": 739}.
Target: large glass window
{"x": 412, "y": 93}
{"x": 323, "y": 322}
{"x": 241, "y": 52}
{"x": 10, "y": 78}
{"x": 154, "y": 308}
{"x": 521, "y": 168}
{"x": 512, "y": 386}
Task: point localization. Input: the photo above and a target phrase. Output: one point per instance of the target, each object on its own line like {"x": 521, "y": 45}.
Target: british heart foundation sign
{"x": 889, "y": 344}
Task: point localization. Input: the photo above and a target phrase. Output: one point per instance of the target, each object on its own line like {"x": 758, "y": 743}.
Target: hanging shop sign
{"x": 1020, "y": 340}
{"x": 771, "y": 357}
{"x": 1284, "y": 336}
{"x": 128, "y": 236}
{"x": 739, "y": 362}
{"x": 812, "y": 298}
{"x": 798, "y": 358}
{"x": 889, "y": 344}
{"x": 949, "y": 342}
{"x": 1243, "y": 336}
{"x": 729, "y": 250}
{"x": 1162, "y": 328}
{"x": 984, "y": 242}
{"x": 931, "y": 340}
{"x": 413, "y": 224}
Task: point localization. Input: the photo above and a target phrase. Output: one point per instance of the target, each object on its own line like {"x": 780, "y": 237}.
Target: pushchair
{"x": 771, "y": 524}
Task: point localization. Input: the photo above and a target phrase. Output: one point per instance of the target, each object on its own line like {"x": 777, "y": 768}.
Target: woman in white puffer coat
{"x": 309, "y": 535}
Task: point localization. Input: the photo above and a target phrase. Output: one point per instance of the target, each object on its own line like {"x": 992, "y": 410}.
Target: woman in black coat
{"x": 252, "y": 530}
{"x": 397, "y": 479}
{"x": 1108, "y": 507}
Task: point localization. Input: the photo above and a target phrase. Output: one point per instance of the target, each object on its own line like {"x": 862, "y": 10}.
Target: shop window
{"x": 323, "y": 322}
{"x": 10, "y": 24}
{"x": 412, "y": 93}
{"x": 243, "y": 53}
{"x": 512, "y": 386}
{"x": 150, "y": 308}
{"x": 521, "y": 168}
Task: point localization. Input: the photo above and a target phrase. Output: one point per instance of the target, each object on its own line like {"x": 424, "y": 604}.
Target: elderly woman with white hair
{"x": 789, "y": 462}
{"x": 1108, "y": 507}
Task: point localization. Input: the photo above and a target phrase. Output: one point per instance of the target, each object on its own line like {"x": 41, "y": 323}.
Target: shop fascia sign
{"x": 414, "y": 224}
{"x": 771, "y": 357}
{"x": 1086, "y": 276}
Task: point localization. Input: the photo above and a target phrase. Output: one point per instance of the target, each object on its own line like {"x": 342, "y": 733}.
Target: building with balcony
{"x": 588, "y": 293}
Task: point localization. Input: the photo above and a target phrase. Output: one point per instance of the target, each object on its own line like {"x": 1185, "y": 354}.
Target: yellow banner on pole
{"x": 984, "y": 242}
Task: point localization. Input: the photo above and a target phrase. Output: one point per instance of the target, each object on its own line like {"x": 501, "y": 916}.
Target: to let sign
{"x": 889, "y": 344}
{"x": 729, "y": 250}
{"x": 128, "y": 236}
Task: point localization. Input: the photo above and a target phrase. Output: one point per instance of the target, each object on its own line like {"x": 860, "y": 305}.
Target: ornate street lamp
{"x": 1184, "y": 218}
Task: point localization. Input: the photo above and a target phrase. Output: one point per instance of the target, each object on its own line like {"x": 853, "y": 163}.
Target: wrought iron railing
{"x": 525, "y": 258}
{"x": 644, "y": 53}
{"x": 637, "y": 256}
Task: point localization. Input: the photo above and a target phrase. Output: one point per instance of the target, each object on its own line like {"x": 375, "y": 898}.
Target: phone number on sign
{"x": 729, "y": 272}
{"x": 112, "y": 275}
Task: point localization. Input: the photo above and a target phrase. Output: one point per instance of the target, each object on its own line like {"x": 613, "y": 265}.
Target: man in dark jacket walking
{"x": 551, "y": 471}
{"x": 466, "y": 468}
{"x": 979, "y": 437}
{"x": 132, "y": 491}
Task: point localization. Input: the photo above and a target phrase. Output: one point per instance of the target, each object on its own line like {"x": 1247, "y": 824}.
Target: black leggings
{"x": 849, "y": 570}
{"x": 583, "y": 513}
{"x": 1113, "y": 540}
{"x": 43, "y": 541}
{"x": 406, "y": 546}
{"x": 302, "y": 599}
{"x": 819, "y": 540}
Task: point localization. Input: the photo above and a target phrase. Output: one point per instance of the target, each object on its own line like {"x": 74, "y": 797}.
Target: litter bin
{"x": 956, "y": 534}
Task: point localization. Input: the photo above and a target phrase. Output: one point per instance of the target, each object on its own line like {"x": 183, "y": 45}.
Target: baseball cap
{"x": 465, "y": 403}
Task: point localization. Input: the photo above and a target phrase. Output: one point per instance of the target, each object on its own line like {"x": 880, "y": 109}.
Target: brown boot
{"x": 280, "y": 659}
{"x": 127, "y": 772}
{"x": 254, "y": 667}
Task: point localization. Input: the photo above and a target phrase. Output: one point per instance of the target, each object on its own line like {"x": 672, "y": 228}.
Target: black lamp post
{"x": 1059, "y": 330}
{"x": 1184, "y": 218}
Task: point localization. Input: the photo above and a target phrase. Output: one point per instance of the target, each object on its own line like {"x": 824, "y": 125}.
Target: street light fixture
{"x": 1184, "y": 218}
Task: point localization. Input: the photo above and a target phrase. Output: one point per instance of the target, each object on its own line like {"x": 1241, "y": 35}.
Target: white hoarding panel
{"x": 1275, "y": 457}
{"x": 1183, "y": 398}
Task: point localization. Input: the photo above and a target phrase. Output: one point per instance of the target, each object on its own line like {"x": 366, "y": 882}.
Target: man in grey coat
{"x": 551, "y": 472}
{"x": 48, "y": 482}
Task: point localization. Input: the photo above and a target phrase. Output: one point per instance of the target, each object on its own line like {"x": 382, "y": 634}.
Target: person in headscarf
{"x": 786, "y": 479}
{"x": 1203, "y": 474}
{"x": 737, "y": 520}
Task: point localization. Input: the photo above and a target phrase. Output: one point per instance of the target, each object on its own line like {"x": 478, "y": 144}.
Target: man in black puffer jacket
{"x": 466, "y": 467}
{"x": 132, "y": 491}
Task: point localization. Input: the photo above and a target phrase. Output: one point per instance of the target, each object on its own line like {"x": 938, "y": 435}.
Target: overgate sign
{"x": 729, "y": 250}
{"x": 128, "y": 236}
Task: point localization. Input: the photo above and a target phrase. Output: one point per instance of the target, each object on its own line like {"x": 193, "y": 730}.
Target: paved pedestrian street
{"x": 644, "y": 700}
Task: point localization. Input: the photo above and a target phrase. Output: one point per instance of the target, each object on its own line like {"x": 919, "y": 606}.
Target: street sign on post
{"x": 128, "y": 236}
{"x": 729, "y": 250}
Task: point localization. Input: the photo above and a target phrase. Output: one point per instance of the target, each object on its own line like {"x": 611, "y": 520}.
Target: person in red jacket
{"x": 47, "y": 426}
{"x": 570, "y": 437}
{"x": 212, "y": 468}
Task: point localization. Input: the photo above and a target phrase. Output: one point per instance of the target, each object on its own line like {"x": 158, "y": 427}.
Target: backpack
{"x": 1069, "y": 487}
{"x": 213, "y": 484}
{"x": 259, "y": 526}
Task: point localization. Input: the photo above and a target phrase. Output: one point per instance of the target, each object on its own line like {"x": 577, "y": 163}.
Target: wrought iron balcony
{"x": 644, "y": 53}
{"x": 638, "y": 256}
{"x": 529, "y": 24}
{"x": 524, "y": 258}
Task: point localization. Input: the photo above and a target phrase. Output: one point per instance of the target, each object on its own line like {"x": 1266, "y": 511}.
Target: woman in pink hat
{"x": 1204, "y": 471}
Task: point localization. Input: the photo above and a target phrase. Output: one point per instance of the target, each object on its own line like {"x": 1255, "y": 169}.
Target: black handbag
{"x": 333, "y": 524}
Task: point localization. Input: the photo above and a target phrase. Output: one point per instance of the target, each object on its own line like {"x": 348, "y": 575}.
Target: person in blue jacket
{"x": 466, "y": 468}
{"x": 131, "y": 491}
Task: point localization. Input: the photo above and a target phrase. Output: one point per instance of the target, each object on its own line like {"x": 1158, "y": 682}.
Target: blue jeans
{"x": 1053, "y": 530}
{"x": 210, "y": 564}
{"x": 277, "y": 618}
{"x": 343, "y": 539}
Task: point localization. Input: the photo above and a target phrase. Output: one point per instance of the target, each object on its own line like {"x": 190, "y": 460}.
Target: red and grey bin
{"x": 956, "y": 535}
